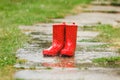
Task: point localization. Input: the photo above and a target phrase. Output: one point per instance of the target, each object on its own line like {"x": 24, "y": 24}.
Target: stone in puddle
{"x": 101, "y": 2}
{"x": 87, "y": 34}
{"x": 103, "y": 9}
{"x": 83, "y": 56}
{"x": 83, "y": 44}
{"x": 66, "y": 74}
{"x": 87, "y": 18}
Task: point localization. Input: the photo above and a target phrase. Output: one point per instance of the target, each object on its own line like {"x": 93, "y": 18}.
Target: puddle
{"x": 79, "y": 61}
{"x": 61, "y": 62}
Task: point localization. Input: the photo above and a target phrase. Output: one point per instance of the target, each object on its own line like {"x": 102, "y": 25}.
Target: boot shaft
{"x": 71, "y": 33}
{"x": 58, "y": 32}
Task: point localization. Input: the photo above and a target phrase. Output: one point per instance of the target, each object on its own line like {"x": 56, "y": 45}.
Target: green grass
{"x": 32, "y": 11}
{"x": 110, "y": 35}
{"x": 6, "y": 73}
{"x": 26, "y": 12}
{"x": 108, "y": 62}
{"x": 10, "y": 39}
{"x": 115, "y": 2}
{"x": 107, "y": 33}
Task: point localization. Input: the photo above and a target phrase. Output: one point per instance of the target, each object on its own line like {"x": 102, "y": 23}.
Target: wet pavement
{"x": 107, "y": 9}
{"x": 89, "y": 18}
{"x": 68, "y": 74}
{"x": 32, "y": 65}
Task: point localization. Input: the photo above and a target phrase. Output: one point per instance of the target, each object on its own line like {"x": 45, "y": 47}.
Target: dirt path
{"x": 80, "y": 67}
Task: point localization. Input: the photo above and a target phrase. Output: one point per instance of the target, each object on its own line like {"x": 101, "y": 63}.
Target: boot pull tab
{"x": 73, "y": 23}
{"x": 64, "y": 23}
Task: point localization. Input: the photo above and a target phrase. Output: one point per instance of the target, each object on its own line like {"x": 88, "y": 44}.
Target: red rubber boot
{"x": 58, "y": 40}
{"x": 70, "y": 41}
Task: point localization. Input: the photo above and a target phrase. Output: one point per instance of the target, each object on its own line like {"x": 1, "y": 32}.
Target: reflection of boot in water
{"x": 62, "y": 62}
{"x": 67, "y": 62}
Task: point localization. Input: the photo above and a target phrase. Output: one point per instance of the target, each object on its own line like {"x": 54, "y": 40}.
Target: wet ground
{"x": 33, "y": 66}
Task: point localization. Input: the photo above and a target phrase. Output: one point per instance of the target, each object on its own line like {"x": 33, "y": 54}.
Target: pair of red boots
{"x": 64, "y": 40}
